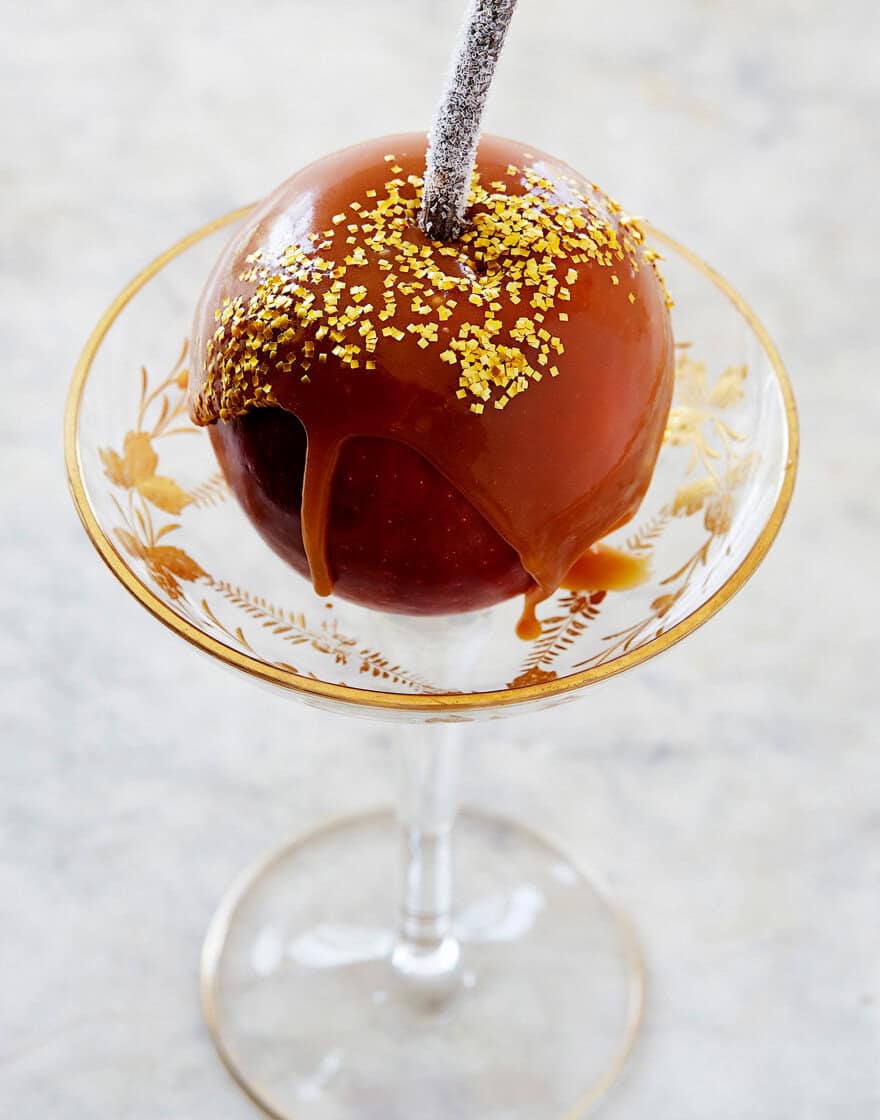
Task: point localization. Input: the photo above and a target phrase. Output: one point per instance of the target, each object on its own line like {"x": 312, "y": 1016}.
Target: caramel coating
{"x": 529, "y": 364}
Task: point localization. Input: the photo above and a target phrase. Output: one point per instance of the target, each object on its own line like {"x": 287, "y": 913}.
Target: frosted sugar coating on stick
{"x": 452, "y": 144}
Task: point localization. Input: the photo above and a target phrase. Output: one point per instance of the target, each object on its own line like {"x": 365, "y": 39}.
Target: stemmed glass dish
{"x": 518, "y": 993}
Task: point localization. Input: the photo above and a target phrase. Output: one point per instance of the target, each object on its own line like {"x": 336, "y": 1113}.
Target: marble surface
{"x": 728, "y": 790}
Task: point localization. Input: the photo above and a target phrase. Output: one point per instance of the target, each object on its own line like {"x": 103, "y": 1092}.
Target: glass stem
{"x": 427, "y": 957}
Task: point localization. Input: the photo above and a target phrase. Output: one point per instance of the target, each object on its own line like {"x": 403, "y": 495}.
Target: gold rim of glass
{"x": 396, "y": 701}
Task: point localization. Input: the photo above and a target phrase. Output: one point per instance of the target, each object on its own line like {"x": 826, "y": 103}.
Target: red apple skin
{"x": 401, "y": 537}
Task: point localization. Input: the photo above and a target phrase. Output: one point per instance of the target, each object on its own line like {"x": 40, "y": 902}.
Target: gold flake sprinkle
{"x": 306, "y": 302}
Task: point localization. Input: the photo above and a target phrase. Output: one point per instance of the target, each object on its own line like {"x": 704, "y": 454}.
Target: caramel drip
{"x": 601, "y": 568}
{"x": 321, "y": 459}
{"x": 529, "y": 628}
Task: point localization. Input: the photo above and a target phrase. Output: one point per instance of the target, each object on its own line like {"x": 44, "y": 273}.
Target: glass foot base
{"x": 313, "y": 1023}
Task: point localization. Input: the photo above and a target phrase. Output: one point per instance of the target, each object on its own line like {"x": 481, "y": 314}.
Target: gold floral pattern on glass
{"x": 162, "y": 411}
{"x": 717, "y": 466}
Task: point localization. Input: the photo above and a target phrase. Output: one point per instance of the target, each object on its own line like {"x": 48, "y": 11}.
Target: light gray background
{"x": 729, "y": 790}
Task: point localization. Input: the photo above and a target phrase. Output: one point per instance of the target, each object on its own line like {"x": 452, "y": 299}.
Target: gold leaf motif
{"x": 211, "y": 492}
{"x": 691, "y": 497}
{"x": 738, "y": 471}
{"x": 644, "y": 539}
{"x": 326, "y": 639}
{"x": 174, "y": 561}
{"x": 167, "y": 583}
{"x": 663, "y": 604}
{"x": 139, "y": 460}
{"x": 130, "y": 543}
{"x": 683, "y": 425}
{"x": 561, "y": 631}
{"x": 533, "y": 675}
{"x": 691, "y": 382}
{"x": 164, "y": 493}
{"x": 114, "y": 468}
{"x": 728, "y": 389}
{"x": 171, "y": 527}
{"x": 719, "y": 514}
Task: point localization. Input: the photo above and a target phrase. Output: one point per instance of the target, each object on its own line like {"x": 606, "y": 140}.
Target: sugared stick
{"x": 452, "y": 144}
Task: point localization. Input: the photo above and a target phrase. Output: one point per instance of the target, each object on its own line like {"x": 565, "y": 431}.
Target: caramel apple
{"x": 426, "y": 426}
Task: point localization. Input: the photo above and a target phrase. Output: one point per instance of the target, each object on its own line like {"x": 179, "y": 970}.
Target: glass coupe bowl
{"x": 331, "y": 989}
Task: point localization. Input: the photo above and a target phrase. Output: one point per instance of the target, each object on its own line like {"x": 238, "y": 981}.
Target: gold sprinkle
{"x": 521, "y": 242}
